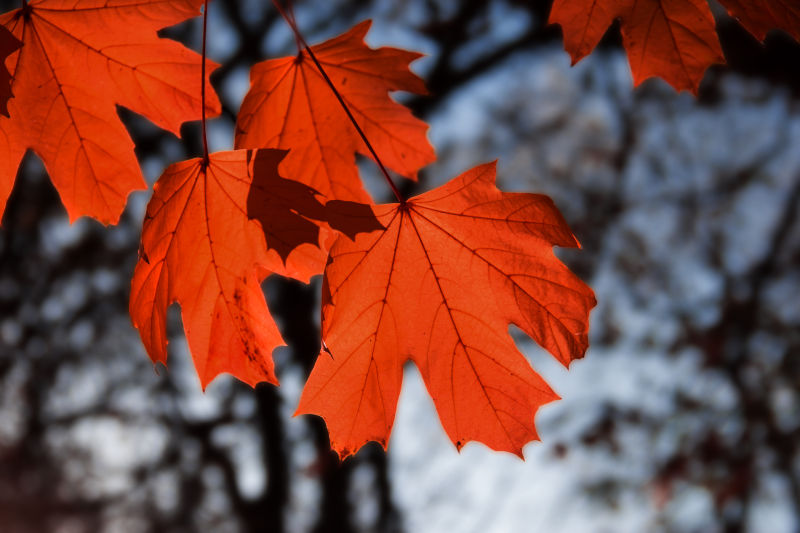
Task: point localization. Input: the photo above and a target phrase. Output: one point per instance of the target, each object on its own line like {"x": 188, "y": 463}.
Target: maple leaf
{"x": 8, "y": 44}
{"x": 210, "y": 236}
{"x": 79, "y": 60}
{"x": 672, "y": 39}
{"x": 440, "y": 285}
{"x": 201, "y": 249}
{"x": 761, "y": 16}
{"x": 290, "y": 105}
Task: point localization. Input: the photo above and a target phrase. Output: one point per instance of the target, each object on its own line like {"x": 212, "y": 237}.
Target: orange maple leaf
{"x": 672, "y": 39}
{"x": 200, "y": 248}
{"x": 440, "y": 285}
{"x": 8, "y": 45}
{"x": 80, "y": 58}
{"x": 289, "y": 105}
{"x": 210, "y": 236}
{"x": 761, "y": 16}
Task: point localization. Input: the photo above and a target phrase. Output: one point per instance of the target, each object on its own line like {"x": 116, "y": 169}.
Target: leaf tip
{"x": 360, "y": 30}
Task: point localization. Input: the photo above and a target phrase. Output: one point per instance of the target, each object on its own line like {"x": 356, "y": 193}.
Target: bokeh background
{"x": 683, "y": 417}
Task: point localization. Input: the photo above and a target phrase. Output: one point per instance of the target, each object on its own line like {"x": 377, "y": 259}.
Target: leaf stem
{"x": 299, "y": 37}
{"x": 203, "y": 84}
{"x": 290, "y": 10}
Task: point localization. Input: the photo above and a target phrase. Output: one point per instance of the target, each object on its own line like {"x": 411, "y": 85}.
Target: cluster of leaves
{"x": 436, "y": 279}
{"x": 673, "y": 39}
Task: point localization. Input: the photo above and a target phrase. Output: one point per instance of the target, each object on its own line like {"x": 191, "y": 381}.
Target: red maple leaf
{"x": 761, "y": 16}
{"x": 80, "y": 58}
{"x": 8, "y": 45}
{"x": 290, "y": 106}
{"x": 210, "y": 236}
{"x": 672, "y": 39}
{"x": 201, "y": 249}
{"x": 440, "y": 285}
